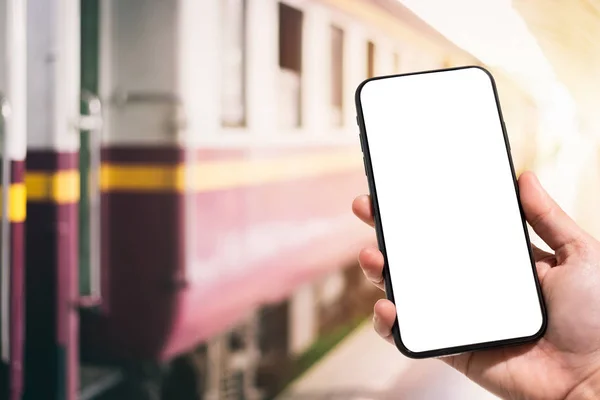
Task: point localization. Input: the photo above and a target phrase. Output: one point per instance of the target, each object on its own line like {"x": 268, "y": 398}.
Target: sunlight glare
{"x": 495, "y": 33}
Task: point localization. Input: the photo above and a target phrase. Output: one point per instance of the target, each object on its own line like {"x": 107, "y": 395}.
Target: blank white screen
{"x": 457, "y": 253}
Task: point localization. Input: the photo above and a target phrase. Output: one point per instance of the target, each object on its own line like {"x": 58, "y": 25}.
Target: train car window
{"x": 233, "y": 55}
{"x": 337, "y": 75}
{"x": 370, "y": 59}
{"x": 290, "y": 64}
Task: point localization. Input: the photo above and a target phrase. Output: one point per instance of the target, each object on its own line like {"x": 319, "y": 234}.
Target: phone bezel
{"x": 381, "y": 242}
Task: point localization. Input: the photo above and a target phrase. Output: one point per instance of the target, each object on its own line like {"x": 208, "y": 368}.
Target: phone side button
{"x": 365, "y": 165}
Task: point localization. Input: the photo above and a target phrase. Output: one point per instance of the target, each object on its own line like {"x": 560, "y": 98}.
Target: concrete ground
{"x": 364, "y": 367}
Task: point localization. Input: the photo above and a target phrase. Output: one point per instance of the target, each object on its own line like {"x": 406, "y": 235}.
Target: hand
{"x": 565, "y": 363}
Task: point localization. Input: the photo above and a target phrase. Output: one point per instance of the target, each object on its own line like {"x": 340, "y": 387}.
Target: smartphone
{"x": 459, "y": 265}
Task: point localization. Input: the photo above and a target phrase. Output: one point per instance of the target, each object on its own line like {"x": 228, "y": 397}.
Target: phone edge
{"x": 381, "y": 240}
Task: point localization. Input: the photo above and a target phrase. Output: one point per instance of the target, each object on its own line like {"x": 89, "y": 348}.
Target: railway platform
{"x": 364, "y": 367}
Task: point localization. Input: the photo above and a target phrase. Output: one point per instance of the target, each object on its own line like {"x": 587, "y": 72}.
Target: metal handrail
{"x": 92, "y": 123}
{"x": 122, "y": 98}
{"x": 5, "y": 268}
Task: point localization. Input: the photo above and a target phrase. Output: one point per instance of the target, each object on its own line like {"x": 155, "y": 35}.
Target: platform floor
{"x": 364, "y": 367}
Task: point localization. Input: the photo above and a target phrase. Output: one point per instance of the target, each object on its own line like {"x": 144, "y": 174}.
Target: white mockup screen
{"x": 457, "y": 252}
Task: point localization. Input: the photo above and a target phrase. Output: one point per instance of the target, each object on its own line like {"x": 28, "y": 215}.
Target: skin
{"x": 565, "y": 363}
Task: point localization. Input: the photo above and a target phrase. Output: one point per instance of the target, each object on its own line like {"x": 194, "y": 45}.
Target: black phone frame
{"x": 381, "y": 242}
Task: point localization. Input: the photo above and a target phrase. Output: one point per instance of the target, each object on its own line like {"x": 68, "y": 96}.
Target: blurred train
{"x": 188, "y": 170}
{"x": 12, "y": 195}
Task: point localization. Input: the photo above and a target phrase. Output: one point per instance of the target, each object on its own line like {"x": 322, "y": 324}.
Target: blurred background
{"x": 177, "y": 177}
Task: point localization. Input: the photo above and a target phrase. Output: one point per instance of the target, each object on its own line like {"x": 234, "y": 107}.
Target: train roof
{"x": 389, "y": 12}
{"x": 396, "y": 19}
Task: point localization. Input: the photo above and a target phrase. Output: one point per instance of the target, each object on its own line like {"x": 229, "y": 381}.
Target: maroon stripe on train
{"x": 142, "y": 155}
{"x": 17, "y": 310}
{"x": 142, "y": 260}
{"x": 142, "y": 252}
{"x": 51, "y": 245}
{"x": 143, "y": 238}
{"x": 14, "y": 371}
{"x": 175, "y": 155}
{"x": 17, "y": 171}
{"x": 48, "y": 160}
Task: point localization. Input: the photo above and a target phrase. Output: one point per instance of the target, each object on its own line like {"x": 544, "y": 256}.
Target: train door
{"x": 12, "y": 195}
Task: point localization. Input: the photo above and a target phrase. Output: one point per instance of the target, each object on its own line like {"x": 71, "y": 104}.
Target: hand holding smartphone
{"x": 458, "y": 261}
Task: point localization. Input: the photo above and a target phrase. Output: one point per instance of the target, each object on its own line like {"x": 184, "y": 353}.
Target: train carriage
{"x": 204, "y": 199}
{"x": 12, "y": 200}
{"x": 190, "y": 163}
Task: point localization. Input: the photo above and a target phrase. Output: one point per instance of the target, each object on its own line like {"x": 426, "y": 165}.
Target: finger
{"x": 544, "y": 261}
{"x": 539, "y": 254}
{"x": 361, "y": 206}
{"x": 371, "y": 261}
{"x": 543, "y": 257}
{"x": 384, "y": 317}
{"x": 546, "y": 218}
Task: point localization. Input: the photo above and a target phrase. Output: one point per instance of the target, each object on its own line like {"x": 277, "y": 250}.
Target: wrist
{"x": 588, "y": 389}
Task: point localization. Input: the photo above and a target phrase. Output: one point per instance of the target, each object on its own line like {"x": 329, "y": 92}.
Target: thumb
{"x": 545, "y": 216}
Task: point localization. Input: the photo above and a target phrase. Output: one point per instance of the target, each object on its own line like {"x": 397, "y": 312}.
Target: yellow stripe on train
{"x": 141, "y": 178}
{"x": 226, "y": 174}
{"x": 17, "y": 206}
{"x": 63, "y": 186}
{"x": 60, "y": 187}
